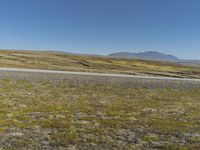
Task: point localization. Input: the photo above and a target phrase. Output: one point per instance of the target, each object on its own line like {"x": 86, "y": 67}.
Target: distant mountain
{"x": 149, "y": 55}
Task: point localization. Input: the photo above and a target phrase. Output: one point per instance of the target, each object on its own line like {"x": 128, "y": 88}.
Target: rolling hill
{"x": 101, "y": 64}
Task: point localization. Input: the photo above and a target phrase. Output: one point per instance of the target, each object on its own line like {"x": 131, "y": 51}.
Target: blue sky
{"x": 102, "y": 26}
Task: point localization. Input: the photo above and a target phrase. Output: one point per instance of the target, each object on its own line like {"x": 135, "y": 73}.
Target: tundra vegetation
{"x": 52, "y": 111}
{"x": 86, "y": 63}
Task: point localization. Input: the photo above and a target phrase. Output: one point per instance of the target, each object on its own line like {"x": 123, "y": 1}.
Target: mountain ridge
{"x": 148, "y": 55}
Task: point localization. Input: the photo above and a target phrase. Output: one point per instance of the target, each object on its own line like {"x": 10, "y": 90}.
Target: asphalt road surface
{"x": 93, "y": 74}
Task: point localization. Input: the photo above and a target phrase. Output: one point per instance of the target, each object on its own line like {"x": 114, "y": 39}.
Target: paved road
{"x": 93, "y": 74}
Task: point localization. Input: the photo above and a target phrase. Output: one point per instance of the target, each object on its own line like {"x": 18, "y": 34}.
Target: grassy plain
{"x": 51, "y": 111}
{"x": 69, "y": 62}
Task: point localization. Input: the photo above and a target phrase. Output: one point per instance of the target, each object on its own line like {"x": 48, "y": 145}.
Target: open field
{"x": 69, "y": 62}
{"x": 56, "y": 111}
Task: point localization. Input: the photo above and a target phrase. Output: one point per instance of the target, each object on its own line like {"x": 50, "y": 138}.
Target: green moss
{"x": 105, "y": 115}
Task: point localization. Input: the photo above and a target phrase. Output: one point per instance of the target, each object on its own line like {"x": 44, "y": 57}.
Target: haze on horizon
{"x": 102, "y": 27}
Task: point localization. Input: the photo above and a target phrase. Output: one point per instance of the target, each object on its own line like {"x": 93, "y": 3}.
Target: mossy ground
{"x": 54, "y": 113}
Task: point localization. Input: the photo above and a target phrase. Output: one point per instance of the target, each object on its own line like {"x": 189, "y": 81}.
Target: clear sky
{"x": 102, "y": 26}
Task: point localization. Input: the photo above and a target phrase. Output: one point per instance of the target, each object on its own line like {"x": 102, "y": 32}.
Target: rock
{"x": 19, "y": 134}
